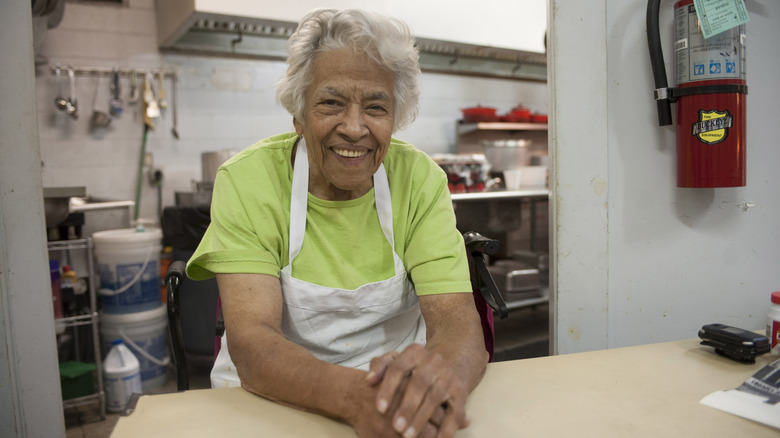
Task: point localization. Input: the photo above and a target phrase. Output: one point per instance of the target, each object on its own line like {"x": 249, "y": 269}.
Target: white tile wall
{"x": 221, "y": 104}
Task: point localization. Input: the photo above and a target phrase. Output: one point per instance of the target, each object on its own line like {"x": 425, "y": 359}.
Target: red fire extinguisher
{"x": 710, "y": 97}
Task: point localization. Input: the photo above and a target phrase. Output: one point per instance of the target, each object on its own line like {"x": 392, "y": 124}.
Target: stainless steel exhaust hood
{"x": 244, "y": 30}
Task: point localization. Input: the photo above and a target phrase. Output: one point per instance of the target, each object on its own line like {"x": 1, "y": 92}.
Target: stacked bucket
{"x": 132, "y": 308}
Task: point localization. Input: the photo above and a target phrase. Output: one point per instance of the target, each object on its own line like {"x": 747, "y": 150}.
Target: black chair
{"x": 487, "y": 300}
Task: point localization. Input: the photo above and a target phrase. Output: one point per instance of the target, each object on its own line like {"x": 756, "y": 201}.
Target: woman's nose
{"x": 354, "y": 124}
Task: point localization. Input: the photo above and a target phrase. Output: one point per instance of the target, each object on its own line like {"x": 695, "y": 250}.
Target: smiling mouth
{"x": 348, "y": 153}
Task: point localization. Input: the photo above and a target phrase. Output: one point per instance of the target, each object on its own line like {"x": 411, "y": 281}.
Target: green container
{"x": 77, "y": 379}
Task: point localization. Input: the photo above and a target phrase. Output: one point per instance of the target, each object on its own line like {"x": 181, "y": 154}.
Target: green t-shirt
{"x": 344, "y": 246}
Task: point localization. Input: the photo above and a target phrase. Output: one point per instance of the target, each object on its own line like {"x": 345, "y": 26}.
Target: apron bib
{"x": 345, "y": 327}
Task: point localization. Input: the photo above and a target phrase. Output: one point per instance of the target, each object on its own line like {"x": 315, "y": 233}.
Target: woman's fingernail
{"x": 410, "y": 433}
{"x": 382, "y": 406}
{"x": 400, "y": 424}
{"x": 370, "y": 375}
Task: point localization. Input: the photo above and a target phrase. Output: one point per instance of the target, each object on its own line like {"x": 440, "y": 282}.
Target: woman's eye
{"x": 377, "y": 109}
{"x": 330, "y": 102}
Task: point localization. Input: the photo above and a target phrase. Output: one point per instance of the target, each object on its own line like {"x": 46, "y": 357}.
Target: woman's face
{"x": 347, "y": 123}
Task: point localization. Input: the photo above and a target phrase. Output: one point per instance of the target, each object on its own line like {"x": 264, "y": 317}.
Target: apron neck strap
{"x": 300, "y": 197}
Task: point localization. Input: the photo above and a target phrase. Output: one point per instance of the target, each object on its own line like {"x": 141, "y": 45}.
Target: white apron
{"x": 346, "y": 327}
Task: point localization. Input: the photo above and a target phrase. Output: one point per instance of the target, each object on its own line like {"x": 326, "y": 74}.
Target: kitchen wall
{"x": 221, "y": 104}
{"x": 638, "y": 260}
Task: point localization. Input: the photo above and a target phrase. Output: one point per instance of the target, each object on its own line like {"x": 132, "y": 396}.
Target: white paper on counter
{"x": 757, "y": 399}
{"x": 745, "y": 405}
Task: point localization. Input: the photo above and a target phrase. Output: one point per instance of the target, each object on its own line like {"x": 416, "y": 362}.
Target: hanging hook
{"x": 516, "y": 67}
{"x": 236, "y": 41}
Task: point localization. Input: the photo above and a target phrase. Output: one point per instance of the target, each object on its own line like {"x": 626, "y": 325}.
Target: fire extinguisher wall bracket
{"x": 710, "y": 96}
{"x": 708, "y": 89}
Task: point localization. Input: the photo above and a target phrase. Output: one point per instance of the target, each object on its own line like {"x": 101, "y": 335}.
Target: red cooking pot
{"x": 478, "y": 114}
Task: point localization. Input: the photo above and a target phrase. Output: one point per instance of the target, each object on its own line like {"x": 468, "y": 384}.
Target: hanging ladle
{"x": 59, "y": 101}
{"x": 71, "y": 105}
{"x": 115, "y": 104}
{"x": 99, "y": 118}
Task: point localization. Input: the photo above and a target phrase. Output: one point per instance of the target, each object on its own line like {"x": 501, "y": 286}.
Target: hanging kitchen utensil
{"x": 115, "y": 105}
{"x": 135, "y": 91}
{"x": 56, "y": 12}
{"x": 60, "y": 102}
{"x": 151, "y": 109}
{"x": 99, "y": 118}
{"x": 161, "y": 95}
{"x": 71, "y": 105}
{"x": 174, "y": 131}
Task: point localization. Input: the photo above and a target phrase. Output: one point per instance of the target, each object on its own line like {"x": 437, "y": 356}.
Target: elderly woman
{"x": 344, "y": 282}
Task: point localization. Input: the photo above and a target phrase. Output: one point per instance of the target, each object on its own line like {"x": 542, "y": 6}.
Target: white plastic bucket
{"x": 121, "y": 375}
{"x": 145, "y": 334}
{"x": 129, "y": 267}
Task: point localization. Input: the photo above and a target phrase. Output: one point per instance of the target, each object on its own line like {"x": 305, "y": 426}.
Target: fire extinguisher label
{"x": 713, "y": 126}
{"x": 721, "y": 56}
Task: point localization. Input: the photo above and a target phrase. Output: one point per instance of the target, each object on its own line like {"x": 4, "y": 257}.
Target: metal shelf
{"x": 525, "y": 192}
{"x": 91, "y": 318}
{"x": 465, "y": 128}
{"x": 527, "y": 302}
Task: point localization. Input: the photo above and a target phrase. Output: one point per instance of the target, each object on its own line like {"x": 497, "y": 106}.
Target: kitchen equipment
{"x": 135, "y": 91}
{"x": 513, "y": 178}
{"x": 152, "y": 109}
{"x": 201, "y": 196}
{"x": 115, "y": 104}
{"x": 60, "y": 102}
{"x": 210, "y": 162}
{"x": 161, "y": 95}
{"x": 535, "y": 176}
{"x": 516, "y": 280}
{"x": 478, "y": 114}
{"x": 518, "y": 114}
{"x": 465, "y": 173}
{"x": 174, "y": 130}
{"x": 100, "y": 119}
{"x": 505, "y": 154}
{"x": 56, "y": 202}
{"x": 71, "y": 105}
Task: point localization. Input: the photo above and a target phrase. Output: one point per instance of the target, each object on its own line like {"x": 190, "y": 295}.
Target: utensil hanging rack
{"x": 100, "y": 71}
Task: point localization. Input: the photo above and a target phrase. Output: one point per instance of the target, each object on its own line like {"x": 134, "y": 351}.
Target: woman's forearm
{"x": 274, "y": 368}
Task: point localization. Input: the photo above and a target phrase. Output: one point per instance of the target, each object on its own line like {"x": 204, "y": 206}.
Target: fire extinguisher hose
{"x": 662, "y": 93}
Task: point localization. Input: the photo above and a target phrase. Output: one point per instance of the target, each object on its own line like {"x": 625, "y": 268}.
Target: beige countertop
{"x": 644, "y": 391}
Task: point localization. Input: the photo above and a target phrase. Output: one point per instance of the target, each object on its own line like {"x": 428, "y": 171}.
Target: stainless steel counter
{"x": 524, "y": 192}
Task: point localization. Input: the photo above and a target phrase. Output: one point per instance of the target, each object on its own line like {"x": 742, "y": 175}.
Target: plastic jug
{"x": 122, "y": 376}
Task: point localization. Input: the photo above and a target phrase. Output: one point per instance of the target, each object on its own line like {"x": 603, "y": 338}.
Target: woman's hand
{"x": 419, "y": 393}
{"x": 372, "y": 423}
{"x": 419, "y": 384}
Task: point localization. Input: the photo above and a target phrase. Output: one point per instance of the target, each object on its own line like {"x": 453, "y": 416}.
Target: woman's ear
{"x": 298, "y": 126}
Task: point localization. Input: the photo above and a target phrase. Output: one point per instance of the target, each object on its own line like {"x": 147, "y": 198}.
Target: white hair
{"x": 387, "y": 41}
